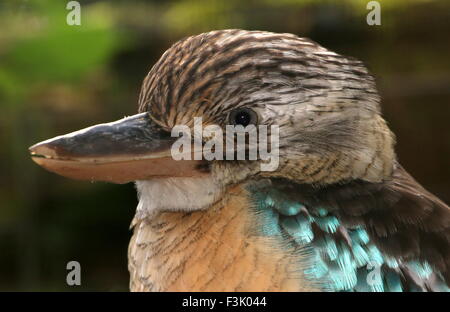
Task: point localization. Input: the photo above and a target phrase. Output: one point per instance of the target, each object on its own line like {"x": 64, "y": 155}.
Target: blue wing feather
{"x": 348, "y": 262}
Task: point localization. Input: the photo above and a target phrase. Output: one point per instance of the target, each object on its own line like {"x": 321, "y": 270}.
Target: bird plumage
{"x": 339, "y": 213}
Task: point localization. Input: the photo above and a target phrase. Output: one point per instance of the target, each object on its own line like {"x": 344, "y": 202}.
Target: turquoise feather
{"x": 353, "y": 264}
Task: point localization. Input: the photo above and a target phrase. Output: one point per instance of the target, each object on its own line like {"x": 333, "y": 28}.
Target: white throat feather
{"x": 176, "y": 194}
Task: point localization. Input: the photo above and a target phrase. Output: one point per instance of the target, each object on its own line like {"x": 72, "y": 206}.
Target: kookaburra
{"x": 338, "y": 212}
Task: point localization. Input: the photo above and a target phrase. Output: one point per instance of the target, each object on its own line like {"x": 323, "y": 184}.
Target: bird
{"x": 338, "y": 213}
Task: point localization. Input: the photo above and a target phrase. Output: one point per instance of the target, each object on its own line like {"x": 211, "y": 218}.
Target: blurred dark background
{"x": 56, "y": 78}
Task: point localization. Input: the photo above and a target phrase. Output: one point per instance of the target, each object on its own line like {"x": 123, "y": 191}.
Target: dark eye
{"x": 243, "y": 117}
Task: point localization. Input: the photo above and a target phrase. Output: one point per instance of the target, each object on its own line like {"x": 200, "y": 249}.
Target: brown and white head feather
{"x": 326, "y": 105}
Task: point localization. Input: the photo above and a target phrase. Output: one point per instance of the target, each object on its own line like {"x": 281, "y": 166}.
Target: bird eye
{"x": 243, "y": 117}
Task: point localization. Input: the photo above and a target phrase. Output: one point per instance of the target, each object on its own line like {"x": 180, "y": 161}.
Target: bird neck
{"x": 217, "y": 249}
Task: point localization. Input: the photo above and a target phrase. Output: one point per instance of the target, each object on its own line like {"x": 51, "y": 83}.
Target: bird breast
{"x": 216, "y": 249}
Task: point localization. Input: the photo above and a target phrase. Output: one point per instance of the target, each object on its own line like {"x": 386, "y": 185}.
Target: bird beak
{"x": 133, "y": 148}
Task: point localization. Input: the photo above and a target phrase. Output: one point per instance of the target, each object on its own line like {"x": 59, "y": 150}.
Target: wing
{"x": 354, "y": 227}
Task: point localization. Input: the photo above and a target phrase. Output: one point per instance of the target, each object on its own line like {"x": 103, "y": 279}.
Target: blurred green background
{"x": 56, "y": 78}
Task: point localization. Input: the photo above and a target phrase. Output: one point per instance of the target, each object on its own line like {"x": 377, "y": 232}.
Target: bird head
{"x": 324, "y": 106}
